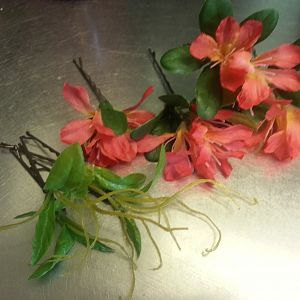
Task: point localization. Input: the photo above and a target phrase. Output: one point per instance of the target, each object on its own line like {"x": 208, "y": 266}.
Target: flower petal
{"x": 228, "y": 31}
{"x": 254, "y": 91}
{"x": 204, "y": 46}
{"x": 234, "y": 70}
{"x": 225, "y": 167}
{"x": 250, "y": 32}
{"x": 78, "y": 131}
{"x": 178, "y": 165}
{"x": 277, "y": 145}
{"x": 286, "y": 56}
{"x": 287, "y": 80}
{"x": 138, "y": 117}
{"x": 77, "y": 97}
{"x": 150, "y": 142}
{"x": 119, "y": 148}
{"x": 146, "y": 94}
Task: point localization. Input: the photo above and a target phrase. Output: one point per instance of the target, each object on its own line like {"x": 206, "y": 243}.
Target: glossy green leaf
{"x": 269, "y": 19}
{"x": 212, "y": 13}
{"x": 179, "y": 61}
{"x": 174, "y": 100}
{"x": 158, "y": 170}
{"x": 108, "y": 180}
{"x": 244, "y": 118}
{"x": 114, "y": 119}
{"x": 146, "y": 128}
{"x": 63, "y": 246}
{"x": 153, "y": 155}
{"x": 208, "y": 93}
{"x": 25, "y": 215}
{"x": 68, "y": 170}
{"x": 134, "y": 235}
{"x": 44, "y": 230}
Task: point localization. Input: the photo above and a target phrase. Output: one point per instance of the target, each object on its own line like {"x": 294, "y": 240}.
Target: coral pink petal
{"x": 234, "y": 70}
{"x": 293, "y": 131}
{"x": 230, "y": 134}
{"x": 101, "y": 129}
{"x": 150, "y": 142}
{"x": 286, "y": 56}
{"x": 178, "y": 165}
{"x": 77, "y": 97}
{"x": 224, "y": 115}
{"x": 277, "y": 145}
{"x": 228, "y": 31}
{"x": 78, "y": 131}
{"x": 274, "y": 111}
{"x": 225, "y": 167}
{"x": 287, "y": 80}
{"x": 254, "y": 91}
{"x": 203, "y": 46}
{"x": 119, "y": 148}
{"x": 250, "y": 32}
{"x": 146, "y": 94}
{"x": 138, "y": 117}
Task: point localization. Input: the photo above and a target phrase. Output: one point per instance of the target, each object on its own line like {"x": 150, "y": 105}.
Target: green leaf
{"x": 68, "y": 170}
{"x": 114, "y": 119}
{"x": 269, "y": 19}
{"x": 159, "y": 169}
{"x": 244, "y": 118}
{"x": 174, "y": 100}
{"x": 212, "y": 13}
{"x": 44, "y": 230}
{"x": 63, "y": 246}
{"x": 208, "y": 93}
{"x": 180, "y": 61}
{"x": 108, "y": 180}
{"x": 153, "y": 155}
{"x": 25, "y": 215}
{"x": 147, "y": 127}
{"x": 134, "y": 235}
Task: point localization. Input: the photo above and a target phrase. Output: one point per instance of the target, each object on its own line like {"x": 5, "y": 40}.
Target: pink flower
{"x": 255, "y": 76}
{"x": 102, "y": 146}
{"x": 230, "y": 38}
{"x": 284, "y": 142}
{"x": 211, "y": 146}
{"x": 178, "y": 165}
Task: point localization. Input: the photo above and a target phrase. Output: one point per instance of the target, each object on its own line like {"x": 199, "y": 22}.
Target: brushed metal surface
{"x": 258, "y": 257}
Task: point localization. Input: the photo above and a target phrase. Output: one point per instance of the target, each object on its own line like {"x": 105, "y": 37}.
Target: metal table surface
{"x": 258, "y": 257}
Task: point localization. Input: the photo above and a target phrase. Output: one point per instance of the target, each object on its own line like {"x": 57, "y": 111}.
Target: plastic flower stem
{"x": 166, "y": 84}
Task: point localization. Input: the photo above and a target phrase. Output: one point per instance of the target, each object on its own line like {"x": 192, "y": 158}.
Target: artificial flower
{"x": 255, "y": 76}
{"x": 102, "y": 146}
{"x": 284, "y": 142}
{"x": 211, "y": 146}
{"x": 230, "y": 38}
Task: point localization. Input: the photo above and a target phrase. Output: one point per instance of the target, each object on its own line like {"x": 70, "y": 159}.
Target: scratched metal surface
{"x": 259, "y": 256}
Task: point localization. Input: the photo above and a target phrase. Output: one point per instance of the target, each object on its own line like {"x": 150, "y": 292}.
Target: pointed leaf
{"x": 68, "y": 170}
{"x": 108, "y": 180}
{"x": 25, "y": 215}
{"x": 44, "y": 230}
{"x": 179, "y": 61}
{"x": 134, "y": 235}
{"x": 269, "y": 19}
{"x": 208, "y": 93}
{"x": 141, "y": 131}
{"x": 114, "y": 119}
{"x": 158, "y": 170}
{"x": 212, "y": 13}
{"x": 63, "y": 246}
